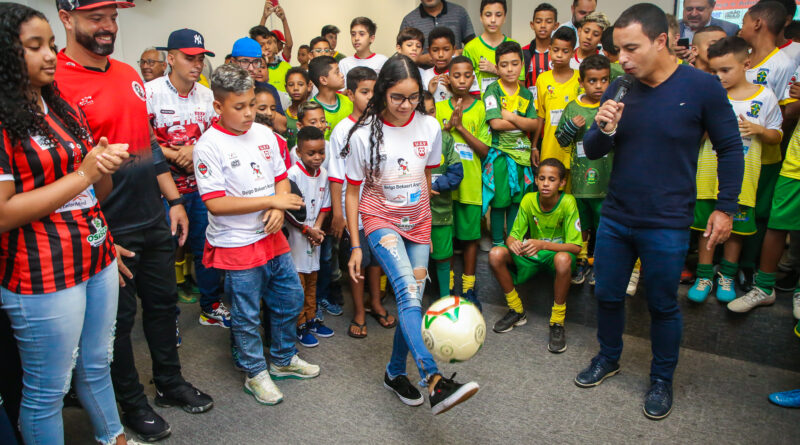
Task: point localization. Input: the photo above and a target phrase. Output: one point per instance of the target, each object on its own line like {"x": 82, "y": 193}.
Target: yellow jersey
{"x": 551, "y": 99}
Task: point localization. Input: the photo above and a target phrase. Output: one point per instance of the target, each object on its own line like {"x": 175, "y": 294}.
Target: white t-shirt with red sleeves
{"x": 179, "y": 120}
{"x": 247, "y": 166}
{"x": 336, "y": 166}
{"x": 375, "y": 62}
{"x": 317, "y": 197}
{"x": 397, "y": 197}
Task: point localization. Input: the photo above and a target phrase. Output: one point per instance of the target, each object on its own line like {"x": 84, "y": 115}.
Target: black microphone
{"x": 624, "y": 85}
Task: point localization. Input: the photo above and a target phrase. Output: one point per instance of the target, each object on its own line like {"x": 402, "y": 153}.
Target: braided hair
{"x": 397, "y": 68}
{"x": 20, "y": 116}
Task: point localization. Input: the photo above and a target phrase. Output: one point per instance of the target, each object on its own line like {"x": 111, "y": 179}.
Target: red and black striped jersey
{"x": 66, "y": 247}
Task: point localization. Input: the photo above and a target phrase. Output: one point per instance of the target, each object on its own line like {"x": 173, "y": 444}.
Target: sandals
{"x": 383, "y": 320}
{"x": 361, "y": 329}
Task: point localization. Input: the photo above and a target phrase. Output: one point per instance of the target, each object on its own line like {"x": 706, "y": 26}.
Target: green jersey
{"x": 335, "y": 113}
{"x": 338, "y": 56}
{"x": 277, "y": 75}
{"x": 560, "y": 225}
{"x": 291, "y": 129}
{"x": 474, "y": 120}
{"x": 616, "y": 71}
{"x": 476, "y": 49}
{"x": 589, "y": 177}
{"x": 442, "y": 204}
{"x": 514, "y": 143}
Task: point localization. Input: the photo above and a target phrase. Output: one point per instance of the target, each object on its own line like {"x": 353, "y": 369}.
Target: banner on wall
{"x": 729, "y": 10}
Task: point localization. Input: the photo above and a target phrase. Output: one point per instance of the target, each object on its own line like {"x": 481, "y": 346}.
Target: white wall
{"x": 224, "y": 21}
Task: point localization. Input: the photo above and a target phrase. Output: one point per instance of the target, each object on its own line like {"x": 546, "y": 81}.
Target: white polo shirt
{"x": 247, "y": 166}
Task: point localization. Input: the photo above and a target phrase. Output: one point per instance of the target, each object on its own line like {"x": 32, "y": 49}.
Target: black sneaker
{"x": 146, "y": 424}
{"x": 448, "y": 393}
{"x": 596, "y": 372}
{"x": 511, "y": 319}
{"x": 658, "y": 401}
{"x": 788, "y": 282}
{"x": 558, "y": 340}
{"x": 403, "y": 389}
{"x": 186, "y": 396}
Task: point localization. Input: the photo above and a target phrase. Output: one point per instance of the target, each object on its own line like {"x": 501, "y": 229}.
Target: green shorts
{"x": 467, "y": 221}
{"x": 744, "y": 222}
{"x": 785, "y": 213}
{"x": 766, "y": 189}
{"x": 442, "y": 242}
{"x": 589, "y": 212}
{"x": 502, "y": 191}
{"x": 527, "y": 267}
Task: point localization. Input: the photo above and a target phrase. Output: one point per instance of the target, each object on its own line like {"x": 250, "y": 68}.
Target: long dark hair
{"x": 19, "y": 111}
{"x": 397, "y": 68}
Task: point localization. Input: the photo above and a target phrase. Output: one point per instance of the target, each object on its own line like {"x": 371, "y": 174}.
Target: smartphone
{"x": 683, "y": 42}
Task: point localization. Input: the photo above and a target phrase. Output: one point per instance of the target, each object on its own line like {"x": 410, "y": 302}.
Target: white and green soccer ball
{"x": 453, "y": 329}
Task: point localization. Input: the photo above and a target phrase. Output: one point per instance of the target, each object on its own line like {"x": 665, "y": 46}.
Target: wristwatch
{"x": 176, "y": 201}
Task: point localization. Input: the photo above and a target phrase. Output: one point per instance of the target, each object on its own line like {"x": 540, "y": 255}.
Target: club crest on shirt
{"x": 491, "y": 102}
{"x": 139, "y": 90}
{"x": 761, "y": 76}
{"x": 420, "y": 148}
{"x": 100, "y": 233}
{"x": 755, "y": 108}
{"x": 202, "y": 168}
{"x": 591, "y": 176}
{"x": 265, "y": 151}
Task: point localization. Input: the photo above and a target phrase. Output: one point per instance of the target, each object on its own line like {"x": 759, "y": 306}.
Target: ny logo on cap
{"x": 198, "y": 40}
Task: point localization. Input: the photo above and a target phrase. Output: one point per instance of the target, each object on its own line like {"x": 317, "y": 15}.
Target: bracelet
{"x": 305, "y": 229}
{"x": 80, "y": 173}
{"x": 354, "y": 248}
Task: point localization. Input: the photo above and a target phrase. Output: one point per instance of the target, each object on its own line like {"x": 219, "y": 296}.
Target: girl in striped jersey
{"x": 58, "y": 277}
{"x": 391, "y": 149}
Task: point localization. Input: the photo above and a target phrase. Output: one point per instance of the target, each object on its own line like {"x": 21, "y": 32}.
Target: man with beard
{"x": 111, "y": 95}
{"x": 152, "y": 64}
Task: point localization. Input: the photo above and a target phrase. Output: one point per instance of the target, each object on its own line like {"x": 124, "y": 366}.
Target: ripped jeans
{"x": 399, "y": 258}
{"x": 57, "y": 333}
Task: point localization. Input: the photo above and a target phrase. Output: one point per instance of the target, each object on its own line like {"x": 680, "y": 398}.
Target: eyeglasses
{"x": 320, "y": 51}
{"x": 244, "y": 63}
{"x": 398, "y": 99}
{"x": 149, "y": 62}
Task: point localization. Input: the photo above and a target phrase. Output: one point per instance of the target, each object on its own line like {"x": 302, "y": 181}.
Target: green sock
{"x": 765, "y": 281}
{"x": 705, "y": 271}
{"x": 728, "y": 269}
{"x": 498, "y": 221}
{"x": 443, "y": 277}
{"x": 513, "y": 209}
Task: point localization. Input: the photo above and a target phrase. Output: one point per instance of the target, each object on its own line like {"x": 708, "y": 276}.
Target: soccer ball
{"x": 453, "y": 329}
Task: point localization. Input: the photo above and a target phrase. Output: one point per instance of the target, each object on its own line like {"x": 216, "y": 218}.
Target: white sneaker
{"x": 633, "y": 283}
{"x": 263, "y": 389}
{"x": 756, "y": 297}
{"x": 296, "y": 369}
{"x": 796, "y": 305}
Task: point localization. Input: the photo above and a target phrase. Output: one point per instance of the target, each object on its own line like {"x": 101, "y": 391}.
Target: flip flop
{"x": 383, "y": 319}
{"x": 360, "y": 328}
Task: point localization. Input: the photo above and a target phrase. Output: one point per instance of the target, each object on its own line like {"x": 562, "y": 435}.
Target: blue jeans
{"x": 327, "y": 288}
{"x": 399, "y": 258}
{"x": 208, "y": 280}
{"x": 662, "y": 252}
{"x": 58, "y": 333}
{"x": 277, "y": 284}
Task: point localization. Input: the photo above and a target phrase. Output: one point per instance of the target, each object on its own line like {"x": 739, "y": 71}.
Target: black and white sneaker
{"x": 403, "y": 389}
{"x": 146, "y": 424}
{"x": 448, "y": 393}
{"x": 185, "y": 396}
{"x": 509, "y": 321}
{"x": 558, "y": 340}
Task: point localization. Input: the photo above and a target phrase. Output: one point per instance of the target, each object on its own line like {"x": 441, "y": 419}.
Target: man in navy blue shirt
{"x": 655, "y": 132}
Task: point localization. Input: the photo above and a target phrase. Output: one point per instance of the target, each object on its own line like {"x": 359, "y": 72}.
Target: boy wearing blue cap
{"x": 180, "y": 111}
{"x": 247, "y": 54}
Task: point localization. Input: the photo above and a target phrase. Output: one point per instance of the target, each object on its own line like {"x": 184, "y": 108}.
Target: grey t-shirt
{"x": 452, "y": 16}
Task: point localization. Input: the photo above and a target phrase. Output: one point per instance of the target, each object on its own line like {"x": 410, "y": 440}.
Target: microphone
{"x": 622, "y": 90}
